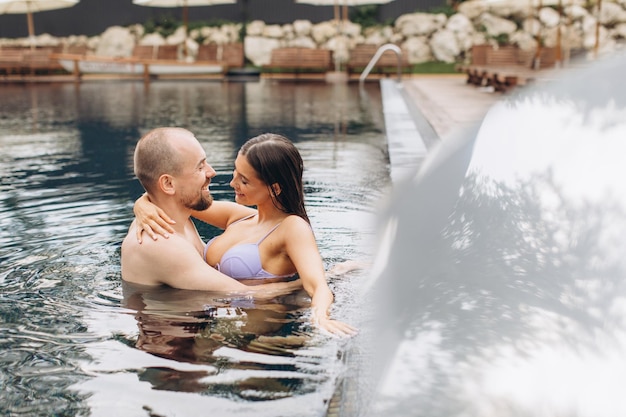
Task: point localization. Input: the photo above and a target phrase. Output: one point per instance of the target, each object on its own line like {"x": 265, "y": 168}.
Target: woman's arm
{"x": 154, "y": 221}
{"x": 302, "y": 250}
{"x": 222, "y": 213}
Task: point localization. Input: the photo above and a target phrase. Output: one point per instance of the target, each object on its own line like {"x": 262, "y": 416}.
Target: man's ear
{"x": 166, "y": 184}
{"x": 276, "y": 190}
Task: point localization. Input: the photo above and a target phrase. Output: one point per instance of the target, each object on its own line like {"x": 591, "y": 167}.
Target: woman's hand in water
{"x": 345, "y": 267}
{"x": 151, "y": 219}
{"x": 334, "y": 327}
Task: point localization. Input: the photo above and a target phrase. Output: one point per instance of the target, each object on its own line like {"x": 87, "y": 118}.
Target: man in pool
{"x": 171, "y": 165}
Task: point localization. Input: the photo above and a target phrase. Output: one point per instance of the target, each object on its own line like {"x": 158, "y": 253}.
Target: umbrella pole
{"x": 597, "y": 44}
{"x": 558, "y": 37}
{"x": 31, "y": 29}
{"x": 185, "y": 25}
{"x": 537, "y": 60}
{"x": 337, "y": 18}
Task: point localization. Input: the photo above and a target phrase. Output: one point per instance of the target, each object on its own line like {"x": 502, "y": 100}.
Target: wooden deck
{"x": 19, "y": 64}
{"x": 23, "y": 61}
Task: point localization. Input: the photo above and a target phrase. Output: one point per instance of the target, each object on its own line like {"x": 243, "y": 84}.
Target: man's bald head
{"x": 156, "y": 154}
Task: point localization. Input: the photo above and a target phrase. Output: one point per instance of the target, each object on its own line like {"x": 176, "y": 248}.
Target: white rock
{"x": 219, "y": 37}
{"x": 612, "y": 14}
{"x": 273, "y": 31}
{"x": 495, "y": 25}
{"x": 176, "y": 38}
{"x": 473, "y": 9}
{"x": 376, "y": 38}
{"x": 531, "y": 25}
{"x": 524, "y": 40}
{"x": 302, "y": 42}
{"x": 116, "y": 41}
{"x": 340, "y": 46}
{"x": 232, "y": 31}
{"x": 152, "y": 39}
{"x": 417, "y": 50}
{"x": 302, "y": 27}
{"x": 416, "y": 24}
{"x": 258, "y": 49}
{"x": 323, "y": 31}
{"x": 508, "y": 9}
{"x": 444, "y": 46}
{"x": 549, "y": 17}
{"x": 550, "y": 37}
{"x": 460, "y": 24}
{"x": 573, "y": 36}
{"x": 575, "y": 12}
{"x": 353, "y": 30}
{"x": 620, "y": 30}
{"x": 192, "y": 48}
{"x": 93, "y": 42}
{"x": 396, "y": 38}
{"x": 589, "y": 33}
{"x": 255, "y": 28}
{"x": 45, "y": 39}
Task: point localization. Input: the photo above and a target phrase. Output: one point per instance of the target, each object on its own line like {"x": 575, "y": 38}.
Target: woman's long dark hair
{"x": 277, "y": 161}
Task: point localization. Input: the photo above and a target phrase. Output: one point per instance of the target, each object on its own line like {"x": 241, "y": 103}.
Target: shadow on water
{"x": 74, "y": 342}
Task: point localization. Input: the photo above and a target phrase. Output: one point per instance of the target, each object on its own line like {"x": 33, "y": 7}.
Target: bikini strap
{"x": 267, "y": 234}
{"x": 242, "y": 219}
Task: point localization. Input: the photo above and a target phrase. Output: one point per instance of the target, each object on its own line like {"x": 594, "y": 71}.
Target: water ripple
{"x": 75, "y": 341}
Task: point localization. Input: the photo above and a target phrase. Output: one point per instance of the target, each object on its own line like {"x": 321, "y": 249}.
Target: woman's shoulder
{"x": 295, "y": 222}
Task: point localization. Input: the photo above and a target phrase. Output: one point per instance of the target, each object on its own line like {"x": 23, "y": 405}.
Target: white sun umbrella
{"x": 185, "y": 4}
{"x": 344, "y": 3}
{"x": 29, "y": 7}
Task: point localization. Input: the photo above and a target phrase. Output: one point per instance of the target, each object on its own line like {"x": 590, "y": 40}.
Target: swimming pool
{"x": 74, "y": 341}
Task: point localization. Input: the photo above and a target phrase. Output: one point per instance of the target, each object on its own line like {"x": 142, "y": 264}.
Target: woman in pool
{"x": 271, "y": 243}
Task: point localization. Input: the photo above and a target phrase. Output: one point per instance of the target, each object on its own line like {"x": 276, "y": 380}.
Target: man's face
{"x": 193, "y": 182}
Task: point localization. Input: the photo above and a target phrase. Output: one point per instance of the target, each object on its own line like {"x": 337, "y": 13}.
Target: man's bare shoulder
{"x": 153, "y": 262}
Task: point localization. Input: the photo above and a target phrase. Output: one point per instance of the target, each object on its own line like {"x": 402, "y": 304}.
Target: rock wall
{"x": 423, "y": 36}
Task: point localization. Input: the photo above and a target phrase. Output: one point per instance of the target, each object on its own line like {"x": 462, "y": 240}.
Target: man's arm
{"x": 175, "y": 262}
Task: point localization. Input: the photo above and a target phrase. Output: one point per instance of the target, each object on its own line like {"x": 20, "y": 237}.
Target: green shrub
{"x": 447, "y": 10}
{"x": 366, "y": 16}
{"x": 165, "y": 25}
{"x": 434, "y": 67}
{"x": 502, "y": 39}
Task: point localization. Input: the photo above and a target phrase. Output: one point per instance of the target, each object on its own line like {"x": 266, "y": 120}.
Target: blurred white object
{"x": 500, "y": 288}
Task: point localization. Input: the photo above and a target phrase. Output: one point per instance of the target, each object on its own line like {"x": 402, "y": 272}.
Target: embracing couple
{"x": 260, "y": 252}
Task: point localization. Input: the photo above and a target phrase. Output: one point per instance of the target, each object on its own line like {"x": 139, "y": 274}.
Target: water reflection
{"x": 74, "y": 342}
{"x": 192, "y": 327}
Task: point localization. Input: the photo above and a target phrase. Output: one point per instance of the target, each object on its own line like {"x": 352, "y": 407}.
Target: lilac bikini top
{"x": 244, "y": 261}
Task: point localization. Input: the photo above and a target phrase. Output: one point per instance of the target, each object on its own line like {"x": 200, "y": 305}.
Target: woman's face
{"x": 250, "y": 190}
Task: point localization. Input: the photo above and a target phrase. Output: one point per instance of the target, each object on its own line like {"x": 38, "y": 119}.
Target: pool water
{"x": 76, "y": 342}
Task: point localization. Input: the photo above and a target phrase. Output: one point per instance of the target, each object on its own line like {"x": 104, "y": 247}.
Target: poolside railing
{"x": 376, "y": 57}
